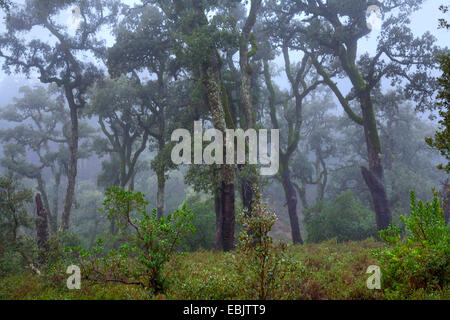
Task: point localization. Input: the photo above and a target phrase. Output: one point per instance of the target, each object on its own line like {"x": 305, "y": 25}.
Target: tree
{"x": 441, "y": 139}
{"x": 59, "y": 62}
{"x": 406, "y": 158}
{"x": 114, "y": 101}
{"x": 145, "y": 48}
{"x": 246, "y": 38}
{"x": 39, "y": 141}
{"x": 330, "y": 33}
{"x": 293, "y": 118}
{"x": 198, "y": 43}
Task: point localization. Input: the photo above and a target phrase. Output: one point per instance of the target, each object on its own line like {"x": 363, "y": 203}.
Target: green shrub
{"x": 421, "y": 260}
{"x": 344, "y": 219}
{"x": 150, "y": 241}
{"x": 261, "y": 263}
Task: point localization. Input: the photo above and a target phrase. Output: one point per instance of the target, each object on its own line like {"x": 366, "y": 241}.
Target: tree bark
{"x": 247, "y": 183}
{"x": 46, "y": 203}
{"x": 218, "y": 239}
{"x": 291, "y": 199}
{"x": 72, "y": 174}
{"x": 212, "y": 82}
{"x": 228, "y": 216}
{"x": 54, "y": 216}
{"x": 42, "y": 230}
{"x": 374, "y": 175}
{"x": 160, "y": 194}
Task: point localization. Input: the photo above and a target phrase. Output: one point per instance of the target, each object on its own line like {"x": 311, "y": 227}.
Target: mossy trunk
{"x": 374, "y": 176}
{"x": 73, "y": 164}
{"x": 291, "y": 201}
{"x": 213, "y": 85}
{"x": 41, "y": 229}
{"x": 219, "y": 220}
{"x": 248, "y": 181}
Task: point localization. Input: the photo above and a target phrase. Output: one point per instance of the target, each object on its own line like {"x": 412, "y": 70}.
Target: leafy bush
{"x": 422, "y": 259}
{"x": 262, "y": 263}
{"x": 344, "y": 219}
{"x": 151, "y": 241}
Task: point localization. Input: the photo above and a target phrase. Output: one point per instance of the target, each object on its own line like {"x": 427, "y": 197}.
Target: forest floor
{"x": 328, "y": 270}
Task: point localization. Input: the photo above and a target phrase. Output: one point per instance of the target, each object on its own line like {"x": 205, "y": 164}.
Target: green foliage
{"x": 441, "y": 139}
{"x": 328, "y": 271}
{"x": 151, "y": 241}
{"x": 421, "y": 259}
{"x": 343, "y": 218}
{"x": 262, "y": 263}
{"x": 14, "y": 243}
{"x": 204, "y": 222}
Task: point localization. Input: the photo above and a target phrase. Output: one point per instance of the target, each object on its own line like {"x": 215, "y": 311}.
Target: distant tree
{"x": 302, "y": 84}
{"x": 199, "y": 41}
{"x": 311, "y": 163}
{"x": 247, "y": 38}
{"x": 144, "y": 48}
{"x": 441, "y": 139}
{"x": 5, "y": 5}
{"x": 330, "y": 33}
{"x": 406, "y": 159}
{"x": 60, "y": 61}
{"x": 114, "y": 101}
{"x": 39, "y": 140}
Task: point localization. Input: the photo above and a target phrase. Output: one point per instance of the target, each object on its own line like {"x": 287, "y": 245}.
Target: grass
{"x": 328, "y": 270}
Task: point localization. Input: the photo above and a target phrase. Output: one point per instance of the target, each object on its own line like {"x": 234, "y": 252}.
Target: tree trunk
{"x": 72, "y": 174}
{"x": 160, "y": 194}
{"x": 247, "y": 194}
{"x": 228, "y": 216}
{"x": 212, "y": 82}
{"x": 42, "y": 230}
{"x": 291, "y": 200}
{"x": 46, "y": 203}
{"x": 374, "y": 175}
{"x": 247, "y": 183}
{"x": 54, "y": 216}
{"x": 218, "y": 239}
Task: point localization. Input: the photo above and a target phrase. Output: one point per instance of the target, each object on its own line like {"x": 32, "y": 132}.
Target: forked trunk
{"x": 445, "y": 193}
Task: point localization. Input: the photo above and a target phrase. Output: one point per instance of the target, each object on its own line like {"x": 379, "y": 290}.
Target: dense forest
{"x": 224, "y": 149}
